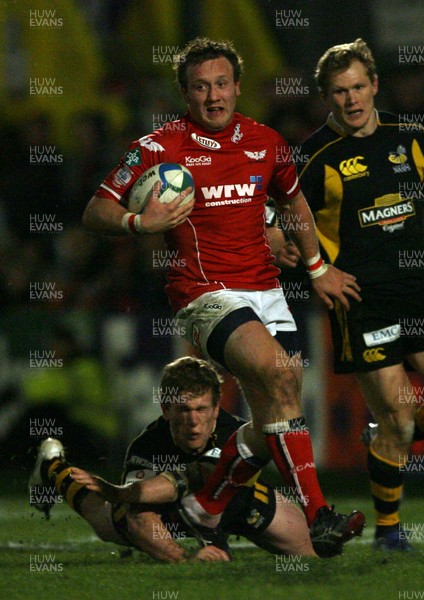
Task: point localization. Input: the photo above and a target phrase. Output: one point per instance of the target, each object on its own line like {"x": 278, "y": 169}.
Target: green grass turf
{"x": 89, "y": 569}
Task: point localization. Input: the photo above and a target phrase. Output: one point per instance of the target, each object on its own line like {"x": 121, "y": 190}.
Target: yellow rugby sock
{"x": 386, "y": 488}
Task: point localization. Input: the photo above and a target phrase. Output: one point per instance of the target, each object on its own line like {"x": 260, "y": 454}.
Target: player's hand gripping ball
{"x": 174, "y": 179}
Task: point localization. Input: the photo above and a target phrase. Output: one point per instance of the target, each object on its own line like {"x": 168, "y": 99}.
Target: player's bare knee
{"x": 404, "y": 430}
{"x": 397, "y": 424}
{"x": 275, "y": 386}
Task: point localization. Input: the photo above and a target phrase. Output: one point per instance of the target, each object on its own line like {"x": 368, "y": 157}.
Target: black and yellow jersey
{"x": 154, "y": 450}
{"x": 367, "y": 196}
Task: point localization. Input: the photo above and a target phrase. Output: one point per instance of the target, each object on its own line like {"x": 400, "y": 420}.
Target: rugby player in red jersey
{"x": 227, "y": 296}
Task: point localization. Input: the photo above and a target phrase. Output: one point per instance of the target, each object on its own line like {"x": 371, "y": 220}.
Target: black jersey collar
{"x": 339, "y": 129}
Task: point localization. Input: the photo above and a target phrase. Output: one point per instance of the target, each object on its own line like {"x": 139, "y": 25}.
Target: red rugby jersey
{"x": 223, "y": 244}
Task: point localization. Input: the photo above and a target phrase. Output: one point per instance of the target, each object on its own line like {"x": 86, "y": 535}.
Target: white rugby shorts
{"x": 200, "y": 317}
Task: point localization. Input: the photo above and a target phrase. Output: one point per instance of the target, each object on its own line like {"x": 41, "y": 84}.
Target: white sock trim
{"x": 198, "y": 514}
{"x": 277, "y": 427}
{"x": 244, "y": 450}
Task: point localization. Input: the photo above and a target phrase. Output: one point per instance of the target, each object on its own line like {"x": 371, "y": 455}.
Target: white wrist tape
{"x": 319, "y": 271}
{"x": 132, "y": 222}
{"x": 315, "y": 266}
{"x": 309, "y": 262}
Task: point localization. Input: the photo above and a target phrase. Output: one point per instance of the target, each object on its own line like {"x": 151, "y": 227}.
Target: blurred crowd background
{"x": 80, "y": 79}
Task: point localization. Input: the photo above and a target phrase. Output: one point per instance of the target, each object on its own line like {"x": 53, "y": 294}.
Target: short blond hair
{"x": 339, "y": 58}
{"x": 190, "y": 375}
{"x": 202, "y": 49}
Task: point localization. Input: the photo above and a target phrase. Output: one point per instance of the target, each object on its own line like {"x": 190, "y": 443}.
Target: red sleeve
{"x": 285, "y": 183}
{"x": 140, "y": 156}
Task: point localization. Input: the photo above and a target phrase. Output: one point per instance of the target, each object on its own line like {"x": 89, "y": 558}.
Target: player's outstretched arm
{"x": 107, "y": 490}
{"x": 332, "y": 283}
{"x": 156, "y": 490}
{"x": 146, "y": 530}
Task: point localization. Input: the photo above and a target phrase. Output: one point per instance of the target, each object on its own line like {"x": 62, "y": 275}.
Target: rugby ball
{"x": 174, "y": 179}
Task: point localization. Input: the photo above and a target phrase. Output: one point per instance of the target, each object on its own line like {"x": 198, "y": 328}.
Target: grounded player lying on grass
{"x": 168, "y": 460}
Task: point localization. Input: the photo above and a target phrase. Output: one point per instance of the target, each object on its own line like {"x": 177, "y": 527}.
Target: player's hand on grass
{"x": 209, "y": 554}
{"x": 157, "y": 217}
{"x": 338, "y": 285}
{"x": 93, "y": 483}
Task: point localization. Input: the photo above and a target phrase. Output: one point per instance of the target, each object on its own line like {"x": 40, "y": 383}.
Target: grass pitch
{"x": 71, "y": 564}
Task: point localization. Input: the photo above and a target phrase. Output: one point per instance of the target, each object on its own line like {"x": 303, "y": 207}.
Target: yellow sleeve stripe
{"x": 328, "y": 217}
{"x": 318, "y": 152}
{"x": 418, "y": 157}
